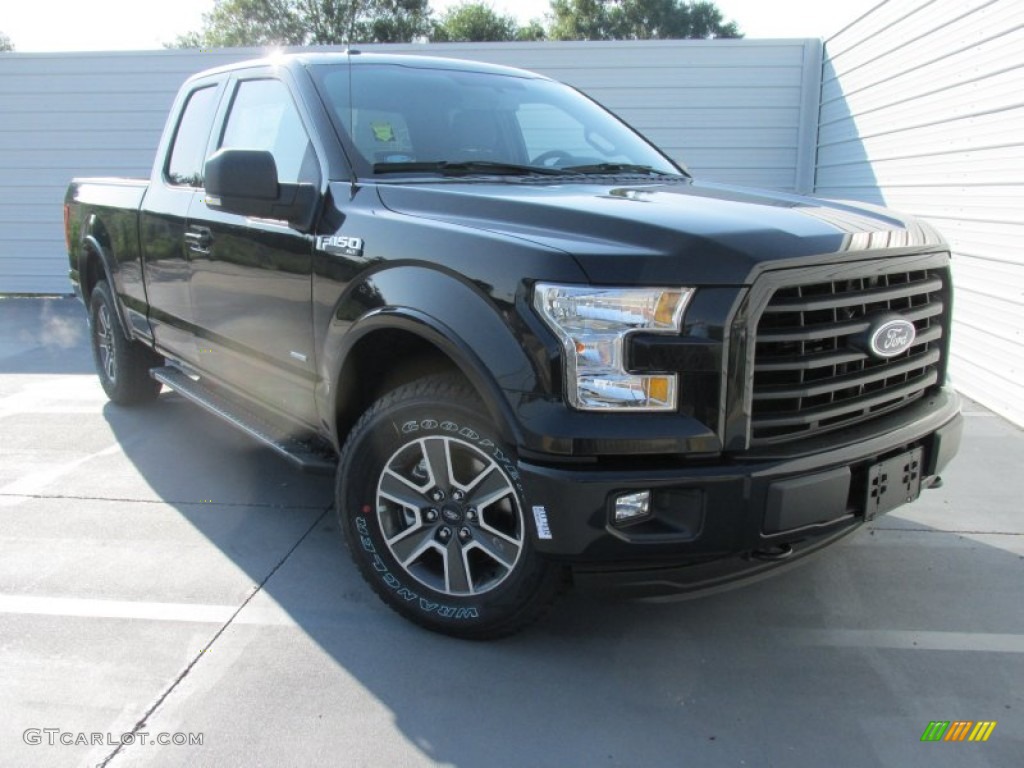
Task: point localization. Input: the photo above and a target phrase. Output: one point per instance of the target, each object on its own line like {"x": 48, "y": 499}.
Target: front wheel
{"x": 433, "y": 511}
{"x": 122, "y": 365}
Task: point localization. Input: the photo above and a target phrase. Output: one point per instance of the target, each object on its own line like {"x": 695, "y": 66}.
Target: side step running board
{"x": 307, "y": 456}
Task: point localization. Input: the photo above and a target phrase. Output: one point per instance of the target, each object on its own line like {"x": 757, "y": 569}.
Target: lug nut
{"x": 458, "y": 495}
{"x": 432, "y": 515}
{"x": 472, "y": 514}
{"x": 444, "y": 534}
{"x": 465, "y": 534}
{"x": 437, "y": 495}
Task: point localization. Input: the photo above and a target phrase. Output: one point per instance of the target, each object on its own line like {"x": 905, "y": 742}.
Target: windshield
{"x": 413, "y": 120}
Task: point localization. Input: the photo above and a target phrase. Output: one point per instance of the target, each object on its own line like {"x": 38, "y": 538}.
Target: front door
{"x": 252, "y": 278}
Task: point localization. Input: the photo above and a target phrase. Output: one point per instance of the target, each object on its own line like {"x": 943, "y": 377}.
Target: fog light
{"x": 632, "y": 507}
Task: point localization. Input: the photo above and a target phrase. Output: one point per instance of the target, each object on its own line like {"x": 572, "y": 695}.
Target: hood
{"x": 718, "y": 234}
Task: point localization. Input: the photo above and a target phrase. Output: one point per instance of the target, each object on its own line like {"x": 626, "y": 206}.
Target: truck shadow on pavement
{"x": 840, "y": 656}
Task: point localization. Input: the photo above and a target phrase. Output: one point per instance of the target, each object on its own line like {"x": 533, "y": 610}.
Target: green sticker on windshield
{"x": 383, "y": 131}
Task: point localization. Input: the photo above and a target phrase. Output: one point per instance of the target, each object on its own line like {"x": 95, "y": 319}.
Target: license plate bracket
{"x": 893, "y": 482}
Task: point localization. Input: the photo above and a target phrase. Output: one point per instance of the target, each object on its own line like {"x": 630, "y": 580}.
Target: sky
{"x": 97, "y": 25}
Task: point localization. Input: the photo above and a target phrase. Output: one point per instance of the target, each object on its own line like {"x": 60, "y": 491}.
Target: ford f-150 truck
{"x": 531, "y": 346}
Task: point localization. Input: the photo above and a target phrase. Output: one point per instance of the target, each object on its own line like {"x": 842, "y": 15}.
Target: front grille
{"x": 809, "y": 374}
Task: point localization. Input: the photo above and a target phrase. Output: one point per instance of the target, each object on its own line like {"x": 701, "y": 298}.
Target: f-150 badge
{"x": 340, "y": 246}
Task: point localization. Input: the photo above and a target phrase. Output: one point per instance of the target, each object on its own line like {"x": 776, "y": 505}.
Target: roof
{"x": 358, "y": 58}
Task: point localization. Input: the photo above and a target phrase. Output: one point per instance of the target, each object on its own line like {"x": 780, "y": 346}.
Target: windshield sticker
{"x": 383, "y": 132}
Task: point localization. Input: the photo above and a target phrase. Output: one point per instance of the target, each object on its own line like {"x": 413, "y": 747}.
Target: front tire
{"x": 122, "y": 365}
{"x": 434, "y": 515}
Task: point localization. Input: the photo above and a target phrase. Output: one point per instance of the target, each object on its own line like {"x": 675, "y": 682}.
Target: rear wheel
{"x": 122, "y": 365}
{"x": 433, "y": 511}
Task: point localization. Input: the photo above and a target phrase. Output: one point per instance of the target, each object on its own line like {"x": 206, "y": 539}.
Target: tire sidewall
{"x": 101, "y": 298}
{"x": 373, "y": 443}
{"x": 132, "y": 384}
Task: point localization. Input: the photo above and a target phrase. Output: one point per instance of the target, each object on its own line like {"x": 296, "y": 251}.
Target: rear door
{"x": 251, "y": 279}
{"x": 162, "y": 221}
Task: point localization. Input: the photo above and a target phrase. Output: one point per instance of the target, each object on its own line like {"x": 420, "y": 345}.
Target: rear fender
{"x": 96, "y": 249}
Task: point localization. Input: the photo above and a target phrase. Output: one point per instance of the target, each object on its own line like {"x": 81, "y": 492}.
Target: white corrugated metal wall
{"x": 923, "y": 110}
{"x": 734, "y": 110}
{"x": 68, "y": 115}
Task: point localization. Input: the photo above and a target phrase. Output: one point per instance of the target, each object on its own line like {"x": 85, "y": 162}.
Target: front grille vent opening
{"x": 809, "y": 374}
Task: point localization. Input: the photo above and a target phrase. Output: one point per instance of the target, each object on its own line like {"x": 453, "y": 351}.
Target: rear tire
{"x": 122, "y": 365}
{"x": 434, "y": 515}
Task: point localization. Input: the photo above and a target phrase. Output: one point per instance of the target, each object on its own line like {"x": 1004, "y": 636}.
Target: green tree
{"x": 392, "y": 21}
{"x": 638, "y": 20}
{"x": 473, "y": 22}
{"x": 241, "y": 23}
{"x": 533, "y": 30}
{"x": 5, "y": 43}
{"x": 580, "y": 20}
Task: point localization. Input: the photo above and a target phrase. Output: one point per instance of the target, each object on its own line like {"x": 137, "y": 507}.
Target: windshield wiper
{"x": 467, "y": 167}
{"x": 616, "y": 168}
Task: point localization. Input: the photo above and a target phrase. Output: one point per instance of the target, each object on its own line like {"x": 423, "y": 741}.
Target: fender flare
{"x": 92, "y": 244}
{"x": 457, "y": 318}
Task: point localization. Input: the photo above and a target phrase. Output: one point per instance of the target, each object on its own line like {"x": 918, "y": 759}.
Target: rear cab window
{"x": 188, "y": 150}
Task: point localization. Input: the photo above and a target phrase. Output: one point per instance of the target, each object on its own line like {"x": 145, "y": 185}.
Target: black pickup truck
{"x": 529, "y": 344}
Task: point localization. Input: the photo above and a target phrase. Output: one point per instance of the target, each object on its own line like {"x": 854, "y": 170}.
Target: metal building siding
{"x": 734, "y": 111}
{"x": 65, "y": 115}
{"x": 922, "y": 109}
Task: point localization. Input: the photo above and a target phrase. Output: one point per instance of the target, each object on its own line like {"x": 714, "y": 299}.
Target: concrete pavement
{"x": 163, "y": 576}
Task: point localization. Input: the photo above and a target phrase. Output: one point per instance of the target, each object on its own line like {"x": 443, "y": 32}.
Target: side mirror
{"x": 244, "y": 181}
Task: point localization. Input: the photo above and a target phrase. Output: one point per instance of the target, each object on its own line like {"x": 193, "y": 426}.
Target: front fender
{"x": 481, "y": 336}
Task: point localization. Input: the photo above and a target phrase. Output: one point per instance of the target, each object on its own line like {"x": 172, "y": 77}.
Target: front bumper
{"x": 757, "y": 510}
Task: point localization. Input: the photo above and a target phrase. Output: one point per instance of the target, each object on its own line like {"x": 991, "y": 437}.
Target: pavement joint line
{"x": 185, "y": 672}
{"x": 197, "y": 503}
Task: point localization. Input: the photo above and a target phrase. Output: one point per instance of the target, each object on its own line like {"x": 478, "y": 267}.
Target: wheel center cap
{"x": 452, "y": 513}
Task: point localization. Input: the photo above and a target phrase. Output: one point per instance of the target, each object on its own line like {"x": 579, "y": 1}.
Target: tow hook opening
{"x": 772, "y": 553}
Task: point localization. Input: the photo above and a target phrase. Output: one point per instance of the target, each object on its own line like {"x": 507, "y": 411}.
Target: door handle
{"x": 199, "y": 239}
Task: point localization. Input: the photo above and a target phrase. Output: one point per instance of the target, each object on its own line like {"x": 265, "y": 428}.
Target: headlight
{"x": 592, "y": 324}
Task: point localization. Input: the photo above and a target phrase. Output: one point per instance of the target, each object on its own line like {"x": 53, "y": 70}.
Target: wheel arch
{"x": 94, "y": 264}
{"x": 408, "y": 319}
{"x": 423, "y": 346}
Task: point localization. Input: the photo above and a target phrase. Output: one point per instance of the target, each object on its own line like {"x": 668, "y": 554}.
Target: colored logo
{"x": 958, "y": 730}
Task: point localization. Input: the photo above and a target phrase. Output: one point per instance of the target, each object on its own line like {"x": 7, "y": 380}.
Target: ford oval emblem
{"x": 893, "y": 338}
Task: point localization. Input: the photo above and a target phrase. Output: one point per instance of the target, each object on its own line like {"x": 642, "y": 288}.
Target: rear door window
{"x": 188, "y": 152}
